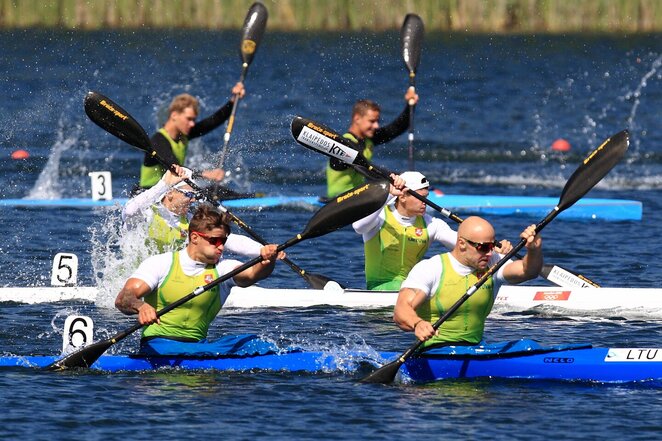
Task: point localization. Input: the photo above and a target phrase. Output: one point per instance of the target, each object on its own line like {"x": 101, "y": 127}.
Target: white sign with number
{"x": 102, "y": 185}
{"x": 78, "y": 333}
{"x": 65, "y": 270}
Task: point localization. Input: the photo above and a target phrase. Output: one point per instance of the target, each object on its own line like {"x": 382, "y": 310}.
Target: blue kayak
{"x": 567, "y": 362}
{"x": 463, "y": 205}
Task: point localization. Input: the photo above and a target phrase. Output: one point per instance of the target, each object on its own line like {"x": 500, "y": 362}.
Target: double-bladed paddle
{"x": 252, "y": 31}
{"x": 322, "y": 139}
{"x": 412, "y": 38}
{"x": 587, "y": 175}
{"x": 339, "y": 212}
{"x": 115, "y": 120}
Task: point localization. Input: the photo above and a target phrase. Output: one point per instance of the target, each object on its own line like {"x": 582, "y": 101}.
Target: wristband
{"x": 415, "y": 324}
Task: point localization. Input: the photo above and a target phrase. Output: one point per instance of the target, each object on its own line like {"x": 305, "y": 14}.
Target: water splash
{"x": 47, "y": 185}
{"x": 116, "y": 253}
{"x": 636, "y": 94}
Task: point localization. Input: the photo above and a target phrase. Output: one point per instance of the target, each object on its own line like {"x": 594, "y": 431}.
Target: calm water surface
{"x": 490, "y": 108}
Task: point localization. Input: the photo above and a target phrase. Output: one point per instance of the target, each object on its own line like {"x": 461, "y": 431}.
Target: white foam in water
{"x": 116, "y": 253}
{"x": 48, "y": 185}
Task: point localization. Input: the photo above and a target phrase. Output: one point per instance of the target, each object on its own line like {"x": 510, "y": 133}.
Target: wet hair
{"x": 181, "y": 102}
{"x": 362, "y": 106}
{"x": 206, "y": 218}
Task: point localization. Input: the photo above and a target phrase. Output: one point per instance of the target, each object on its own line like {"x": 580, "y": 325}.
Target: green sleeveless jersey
{"x": 163, "y": 237}
{"x": 393, "y": 252}
{"x": 339, "y": 181}
{"x": 468, "y": 322}
{"x": 149, "y": 176}
{"x": 192, "y": 319}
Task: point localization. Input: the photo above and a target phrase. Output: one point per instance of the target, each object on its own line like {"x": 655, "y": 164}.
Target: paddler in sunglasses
{"x": 435, "y": 284}
{"x": 164, "y": 210}
{"x": 397, "y": 236}
{"x": 162, "y": 279}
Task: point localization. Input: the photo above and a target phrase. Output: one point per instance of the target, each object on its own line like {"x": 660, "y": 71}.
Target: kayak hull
{"x": 488, "y": 205}
{"x": 602, "y": 365}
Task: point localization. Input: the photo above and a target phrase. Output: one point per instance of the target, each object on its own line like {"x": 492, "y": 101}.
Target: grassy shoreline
{"x": 475, "y": 16}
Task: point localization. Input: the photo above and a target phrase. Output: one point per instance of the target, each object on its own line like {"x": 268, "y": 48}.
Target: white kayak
{"x": 597, "y": 301}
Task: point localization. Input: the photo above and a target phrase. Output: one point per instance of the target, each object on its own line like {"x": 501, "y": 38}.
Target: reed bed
{"x": 477, "y": 16}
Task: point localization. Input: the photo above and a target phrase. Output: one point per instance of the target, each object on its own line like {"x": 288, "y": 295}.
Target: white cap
{"x": 415, "y": 180}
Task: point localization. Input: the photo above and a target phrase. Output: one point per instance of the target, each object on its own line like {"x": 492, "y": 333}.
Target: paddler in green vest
{"x": 397, "y": 236}
{"x": 171, "y": 141}
{"x": 435, "y": 284}
{"x": 165, "y": 278}
{"x": 164, "y": 211}
{"x": 364, "y": 130}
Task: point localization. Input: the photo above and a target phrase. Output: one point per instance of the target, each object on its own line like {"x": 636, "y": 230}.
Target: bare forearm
{"x": 254, "y": 274}
{"x": 127, "y": 302}
{"x": 404, "y": 313}
{"x": 532, "y": 263}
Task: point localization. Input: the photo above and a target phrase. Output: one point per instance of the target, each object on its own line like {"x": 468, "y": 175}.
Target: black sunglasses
{"x": 483, "y": 247}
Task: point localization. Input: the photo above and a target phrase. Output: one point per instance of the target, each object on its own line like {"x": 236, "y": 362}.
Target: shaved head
{"x": 476, "y": 229}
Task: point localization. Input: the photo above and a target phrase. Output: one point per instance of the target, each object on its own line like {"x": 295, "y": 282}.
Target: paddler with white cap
{"x": 164, "y": 210}
{"x": 398, "y": 236}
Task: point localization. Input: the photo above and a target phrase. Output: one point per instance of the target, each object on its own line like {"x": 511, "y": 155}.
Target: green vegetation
{"x": 493, "y": 16}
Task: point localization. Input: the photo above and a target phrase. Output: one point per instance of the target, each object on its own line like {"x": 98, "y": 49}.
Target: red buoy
{"x": 561, "y": 145}
{"x": 20, "y": 154}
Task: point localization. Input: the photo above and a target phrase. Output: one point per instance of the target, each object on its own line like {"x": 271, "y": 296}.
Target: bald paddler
{"x": 398, "y": 236}
{"x": 364, "y": 130}
{"x": 435, "y": 284}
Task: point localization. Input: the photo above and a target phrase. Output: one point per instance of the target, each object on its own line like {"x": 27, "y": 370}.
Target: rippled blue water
{"x": 490, "y": 108}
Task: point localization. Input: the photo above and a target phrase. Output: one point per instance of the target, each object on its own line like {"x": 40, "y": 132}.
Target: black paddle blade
{"x": 412, "y": 38}
{"x": 346, "y": 208}
{"x": 254, "y": 25}
{"x": 385, "y": 374}
{"x": 324, "y": 140}
{"x": 594, "y": 168}
{"x": 113, "y": 119}
{"x": 82, "y": 358}
{"x": 317, "y": 281}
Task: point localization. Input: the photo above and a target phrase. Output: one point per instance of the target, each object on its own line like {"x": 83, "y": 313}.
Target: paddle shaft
{"x": 410, "y": 135}
{"x": 228, "y": 130}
